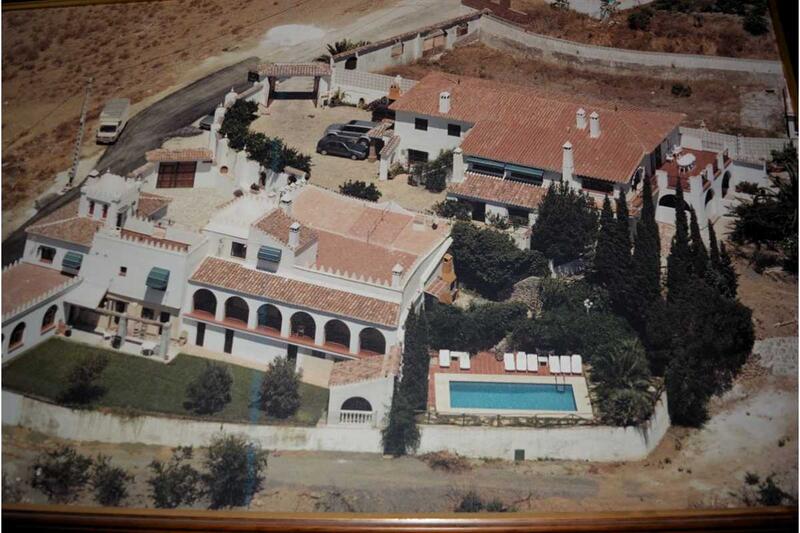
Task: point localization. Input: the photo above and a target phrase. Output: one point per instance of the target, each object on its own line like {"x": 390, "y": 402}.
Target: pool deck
{"x": 484, "y": 367}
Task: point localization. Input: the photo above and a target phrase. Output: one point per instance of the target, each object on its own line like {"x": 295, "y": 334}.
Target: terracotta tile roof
{"x": 381, "y": 129}
{"x": 276, "y": 223}
{"x": 233, "y": 276}
{"x": 703, "y": 158}
{"x": 65, "y": 225}
{"x": 25, "y": 282}
{"x": 373, "y": 367}
{"x": 280, "y": 70}
{"x": 390, "y": 146}
{"x": 150, "y": 239}
{"x": 406, "y": 36}
{"x": 438, "y": 288}
{"x": 357, "y": 257}
{"x": 498, "y": 190}
{"x": 183, "y": 154}
{"x": 528, "y": 126}
{"x": 150, "y": 203}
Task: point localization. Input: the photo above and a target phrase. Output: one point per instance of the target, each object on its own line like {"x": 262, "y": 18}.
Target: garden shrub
{"x": 453, "y": 209}
{"x": 82, "y": 388}
{"x": 235, "y": 471}
{"x": 61, "y": 473}
{"x": 360, "y": 189}
{"x": 175, "y": 482}
{"x": 680, "y": 90}
{"x": 280, "y": 389}
{"x": 109, "y": 482}
{"x": 210, "y": 391}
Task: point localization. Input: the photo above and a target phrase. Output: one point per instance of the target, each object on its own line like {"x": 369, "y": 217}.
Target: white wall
{"x": 595, "y": 443}
{"x": 378, "y": 392}
{"x": 31, "y": 252}
{"x": 33, "y": 318}
{"x": 432, "y": 141}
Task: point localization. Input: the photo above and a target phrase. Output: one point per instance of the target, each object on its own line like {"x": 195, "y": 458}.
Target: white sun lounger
{"x": 555, "y": 367}
{"x": 565, "y": 365}
{"x": 444, "y": 358}
{"x": 543, "y": 361}
{"x": 463, "y": 360}
{"x": 533, "y": 363}
{"x": 522, "y": 362}
{"x": 508, "y": 361}
{"x": 577, "y": 364}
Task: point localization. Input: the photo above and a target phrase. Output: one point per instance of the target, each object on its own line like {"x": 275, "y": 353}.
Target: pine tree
{"x": 698, "y": 248}
{"x": 645, "y": 279}
{"x": 604, "y": 255}
{"x": 679, "y": 262}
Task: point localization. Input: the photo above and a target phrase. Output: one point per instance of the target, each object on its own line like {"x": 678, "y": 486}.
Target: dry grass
{"x": 446, "y": 461}
{"x": 715, "y": 100}
{"x": 133, "y": 50}
{"x": 696, "y": 33}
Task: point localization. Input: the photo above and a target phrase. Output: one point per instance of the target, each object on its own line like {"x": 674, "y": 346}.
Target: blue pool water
{"x": 524, "y": 396}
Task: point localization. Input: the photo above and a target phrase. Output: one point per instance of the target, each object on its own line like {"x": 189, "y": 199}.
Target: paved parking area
{"x": 301, "y": 125}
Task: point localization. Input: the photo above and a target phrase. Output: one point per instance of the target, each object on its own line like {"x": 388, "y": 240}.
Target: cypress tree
{"x": 416, "y": 360}
{"x": 623, "y": 221}
{"x": 713, "y": 250}
{"x": 645, "y": 279}
{"x": 604, "y": 255}
{"x": 679, "y": 262}
{"x": 728, "y": 273}
{"x": 698, "y": 248}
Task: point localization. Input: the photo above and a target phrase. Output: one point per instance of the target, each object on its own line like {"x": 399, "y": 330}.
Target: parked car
{"x": 356, "y": 129}
{"x": 113, "y": 119}
{"x": 206, "y": 122}
{"x": 342, "y": 146}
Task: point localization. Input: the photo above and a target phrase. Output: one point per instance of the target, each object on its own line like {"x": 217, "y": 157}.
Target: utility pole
{"x": 76, "y": 152}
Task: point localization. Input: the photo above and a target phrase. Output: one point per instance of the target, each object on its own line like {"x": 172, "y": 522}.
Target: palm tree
{"x": 621, "y": 377}
{"x": 338, "y": 47}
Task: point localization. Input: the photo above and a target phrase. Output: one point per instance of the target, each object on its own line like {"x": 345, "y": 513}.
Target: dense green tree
{"x": 645, "y": 273}
{"x": 679, "y": 263}
{"x": 235, "y": 471}
{"x": 400, "y": 435}
{"x": 697, "y": 247}
{"x": 489, "y": 262}
{"x": 566, "y": 226}
{"x": 235, "y": 126}
{"x": 280, "y": 389}
{"x": 110, "y": 483}
{"x": 728, "y": 272}
{"x": 175, "y": 482}
{"x": 416, "y": 360}
{"x": 210, "y": 391}
{"x": 360, "y": 189}
{"x": 720, "y": 274}
{"x": 605, "y": 253}
{"x": 453, "y": 209}
{"x": 479, "y": 327}
{"x": 433, "y": 174}
{"x": 83, "y": 386}
{"x": 61, "y": 473}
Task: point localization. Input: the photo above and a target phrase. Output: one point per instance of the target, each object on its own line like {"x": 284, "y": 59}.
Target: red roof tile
{"x": 280, "y": 70}
{"x": 150, "y": 204}
{"x": 233, "y": 276}
{"x": 276, "y": 223}
{"x": 25, "y": 282}
{"x": 372, "y": 367}
{"x": 528, "y": 126}
{"x": 70, "y": 228}
{"x": 183, "y": 154}
{"x": 359, "y": 257}
{"x": 498, "y": 190}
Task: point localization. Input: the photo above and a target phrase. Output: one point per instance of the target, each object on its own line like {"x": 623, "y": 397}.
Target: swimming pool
{"x": 518, "y": 396}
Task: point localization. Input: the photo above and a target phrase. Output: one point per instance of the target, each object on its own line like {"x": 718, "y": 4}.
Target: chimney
{"x": 444, "y": 102}
{"x": 580, "y": 119}
{"x": 397, "y": 275}
{"x": 286, "y": 205}
{"x": 230, "y": 98}
{"x": 294, "y": 235}
{"x": 594, "y": 125}
{"x": 567, "y": 162}
{"x": 394, "y": 88}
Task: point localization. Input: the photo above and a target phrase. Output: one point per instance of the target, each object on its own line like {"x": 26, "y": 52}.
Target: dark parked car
{"x": 355, "y": 129}
{"x": 342, "y": 146}
{"x": 206, "y": 122}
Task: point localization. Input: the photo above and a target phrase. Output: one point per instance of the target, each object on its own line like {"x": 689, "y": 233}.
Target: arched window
{"x": 372, "y": 340}
{"x": 204, "y": 302}
{"x": 49, "y": 317}
{"x": 709, "y": 195}
{"x": 303, "y": 325}
{"x": 356, "y": 403}
{"x": 236, "y": 310}
{"x": 269, "y": 317}
{"x": 726, "y": 183}
{"x": 670, "y": 200}
{"x": 337, "y": 332}
{"x": 17, "y": 336}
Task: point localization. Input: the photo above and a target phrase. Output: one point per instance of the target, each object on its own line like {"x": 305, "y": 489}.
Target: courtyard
{"x": 301, "y": 125}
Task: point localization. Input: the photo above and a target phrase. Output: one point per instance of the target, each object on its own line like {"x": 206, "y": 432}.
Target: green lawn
{"x": 137, "y": 385}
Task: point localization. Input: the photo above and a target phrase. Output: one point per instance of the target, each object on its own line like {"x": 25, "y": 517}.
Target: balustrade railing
{"x": 355, "y": 417}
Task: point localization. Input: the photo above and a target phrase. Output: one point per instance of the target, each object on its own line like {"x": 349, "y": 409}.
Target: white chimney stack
{"x": 580, "y": 119}
{"x": 594, "y": 125}
{"x": 286, "y": 205}
{"x": 444, "y": 102}
{"x": 567, "y": 162}
{"x": 397, "y": 275}
{"x": 294, "y": 235}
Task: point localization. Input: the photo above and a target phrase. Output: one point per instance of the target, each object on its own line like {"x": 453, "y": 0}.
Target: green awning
{"x": 158, "y": 278}
{"x": 535, "y": 172}
{"x": 268, "y": 253}
{"x": 72, "y": 260}
{"x": 487, "y": 162}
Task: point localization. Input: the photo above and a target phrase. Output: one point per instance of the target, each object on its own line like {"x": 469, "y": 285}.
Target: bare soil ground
{"x": 301, "y": 125}
{"x": 134, "y": 50}
{"x": 753, "y": 429}
{"x": 723, "y": 102}
{"x": 696, "y": 33}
